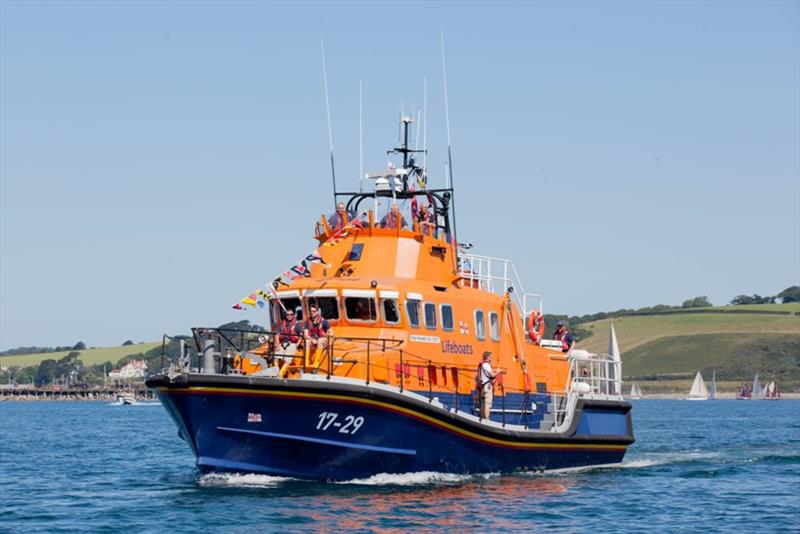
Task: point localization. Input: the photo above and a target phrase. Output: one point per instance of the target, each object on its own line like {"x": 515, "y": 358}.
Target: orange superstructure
{"x": 411, "y": 287}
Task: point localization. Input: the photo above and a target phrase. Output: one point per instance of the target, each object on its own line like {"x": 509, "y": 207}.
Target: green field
{"x": 88, "y": 356}
{"x": 636, "y": 330}
{"x": 668, "y": 349}
{"x": 791, "y": 307}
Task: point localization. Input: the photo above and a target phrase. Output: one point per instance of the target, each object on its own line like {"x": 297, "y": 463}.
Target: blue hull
{"x": 319, "y": 430}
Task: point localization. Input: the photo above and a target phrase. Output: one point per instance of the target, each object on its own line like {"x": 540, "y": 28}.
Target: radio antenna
{"x": 425, "y": 127}
{"x": 360, "y": 140}
{"x": 328, "y": 110}
{"x": 449, "y": 173}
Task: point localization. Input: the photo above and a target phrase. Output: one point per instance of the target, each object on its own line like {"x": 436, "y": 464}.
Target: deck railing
{"x": 388, "y": 362}
{"x": 496, "y": 275}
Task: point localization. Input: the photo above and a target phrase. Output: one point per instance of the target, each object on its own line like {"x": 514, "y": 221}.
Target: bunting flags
{"x": 302, "y": 269}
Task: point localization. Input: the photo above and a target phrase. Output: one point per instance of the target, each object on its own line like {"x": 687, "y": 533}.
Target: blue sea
{"x": 716, "y": 466}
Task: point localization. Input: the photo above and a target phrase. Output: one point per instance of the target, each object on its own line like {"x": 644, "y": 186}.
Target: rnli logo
{"x": 253, "y": 417}
{"x": 450, "y": 347}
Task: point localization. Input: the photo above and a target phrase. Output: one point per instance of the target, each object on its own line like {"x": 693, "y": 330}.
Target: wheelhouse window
{"x": 446, "y": 311}
{"x": 430, "y": 315}
{"x": 328, "y": 307}
{"x": 494, "y": 326}
{"x": 360, "y": 309}
{"x": 412, "y": 312}
{"x": 290, "y": 303}
{"x": 391, "y": 313}
{"x": 480, "y": 325}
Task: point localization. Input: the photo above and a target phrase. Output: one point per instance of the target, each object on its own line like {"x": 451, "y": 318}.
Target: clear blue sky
{"x": 160, "y": 160}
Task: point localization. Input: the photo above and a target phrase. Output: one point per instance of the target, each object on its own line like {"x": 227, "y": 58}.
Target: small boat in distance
{"x": 713, "y": 392}
{"x": 636, "y": 391}
{"x": 758, "y": 389}
{"x": 699, "y": 390}
{"x": 126, "y": 399}
{"x": 771, "y": 392}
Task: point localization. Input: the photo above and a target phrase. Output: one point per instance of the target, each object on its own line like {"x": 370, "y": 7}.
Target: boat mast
{"x": 328, "y": 110}
{"x": 449, "y": 175}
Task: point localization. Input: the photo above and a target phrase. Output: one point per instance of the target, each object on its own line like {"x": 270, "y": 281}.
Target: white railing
{"x": 591, "y": 376}
{"x": 496, "y": 275}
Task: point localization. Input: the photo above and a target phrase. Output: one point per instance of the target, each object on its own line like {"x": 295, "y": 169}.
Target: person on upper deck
{"x": 286, "y": 341}
{"x": 425, "y": 219}
{"x": 339, "y": 219}
{"x": 485, "y": 384}
{"x": 316, "y": 332}
{"x": 394, "y": 219}
{"x": 563, "y": 335}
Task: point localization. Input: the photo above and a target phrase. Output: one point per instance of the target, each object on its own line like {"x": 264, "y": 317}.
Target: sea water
{"x": 696, "y": 466}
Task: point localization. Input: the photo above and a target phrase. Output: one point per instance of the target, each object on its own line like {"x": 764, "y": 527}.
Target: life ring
{"x": 536, "y": 326}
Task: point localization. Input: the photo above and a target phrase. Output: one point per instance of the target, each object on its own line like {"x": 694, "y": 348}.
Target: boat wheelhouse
{"x": 394, "y": 390}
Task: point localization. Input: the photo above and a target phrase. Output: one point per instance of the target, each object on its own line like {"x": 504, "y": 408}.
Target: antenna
{"x": 328, "y": 109}
{"x": 447, "y": 118}
{"x": 449, "y": 173}
{"x": 425, "y": 127}
{"x": 360, "y": 141}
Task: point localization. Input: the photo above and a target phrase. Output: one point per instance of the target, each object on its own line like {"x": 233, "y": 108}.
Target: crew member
{"x": 485, "y": 382}
{"x": 286, "y": 341}
{"x": 425, "y": 218}
{"x": 340, "y": 218}
{"x": 316, "y": 332}
{"x": 394, "y": 219}
{"x": 563, "y": 335}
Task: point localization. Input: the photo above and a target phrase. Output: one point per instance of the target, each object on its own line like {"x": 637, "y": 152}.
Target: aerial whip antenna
{"x": 328, "y": 109}
{"x": 449, "y": 173}
{"x": 360, "y": 140}
{"x": 424, "y": 127}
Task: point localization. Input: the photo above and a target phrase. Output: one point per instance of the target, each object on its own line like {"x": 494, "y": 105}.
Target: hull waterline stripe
{"x": 389, "y": 407}
{"x": 409, "y": 452}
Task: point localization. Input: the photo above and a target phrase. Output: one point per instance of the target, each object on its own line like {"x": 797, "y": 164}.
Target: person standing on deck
{"x": 316, "y": 332}
{"x": 563, "y": 335}
{"x": 485, "y": 382}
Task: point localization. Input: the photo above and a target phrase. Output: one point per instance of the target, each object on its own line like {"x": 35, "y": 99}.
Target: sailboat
{"x": 771, "y": 392}
{"x": 713, "y": 392}
{"x": 636, "y": 391}
{"x": 699, "y": 390}
{"x": 758, "y": 389}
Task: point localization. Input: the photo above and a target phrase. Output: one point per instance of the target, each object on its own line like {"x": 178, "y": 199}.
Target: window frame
{"x": 397, "y": 307}
{"x": 425, "y": 315}
{"x": 483, "y": 322}
{"x": 360, "y": 321}
{"x": 316, "y": 298}
{"x": 408, "y": 315}
{"x": 492, "y": 335}
{"x": 452, "y": 317}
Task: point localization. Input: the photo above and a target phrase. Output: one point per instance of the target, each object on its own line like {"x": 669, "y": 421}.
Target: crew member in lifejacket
{"x": 316, "y": 332}
{"x": 425, "y": 219}
{"x": 563, "y": 335}
{"x": 286, "y": 340}
{"x": 485, "y": 384}
{"x": 340, "y": 218}
{"x": 394, "y": 219}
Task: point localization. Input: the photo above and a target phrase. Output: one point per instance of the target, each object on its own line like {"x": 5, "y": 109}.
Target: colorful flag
{"x": 313, "y": 258}
{"x": 237, "y": 306}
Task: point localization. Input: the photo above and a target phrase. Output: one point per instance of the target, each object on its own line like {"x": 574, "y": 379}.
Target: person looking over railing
{"x": 286, "y": 341}
{"x": 563, "y": 335}
{"x": 315, "y": 332}
{"x": 425, "y": 220}
{"x": 339, "y": 219}
{"x": 394, "y": 219}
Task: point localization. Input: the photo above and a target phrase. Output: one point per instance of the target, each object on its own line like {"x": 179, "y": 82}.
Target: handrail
{"x": 590, "y": 375}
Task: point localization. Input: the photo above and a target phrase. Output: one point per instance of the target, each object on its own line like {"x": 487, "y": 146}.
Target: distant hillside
{"x": 87, "y": 356}
{"x": 735, "y": 345}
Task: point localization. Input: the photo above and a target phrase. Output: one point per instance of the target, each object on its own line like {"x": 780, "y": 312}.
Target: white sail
{"x": 713, "y": 391}
{"x": 699, "y": 390}
{"x": 613, "y": 345}
{"x": 636, "y": 391}
{"x": 758, "y": 390}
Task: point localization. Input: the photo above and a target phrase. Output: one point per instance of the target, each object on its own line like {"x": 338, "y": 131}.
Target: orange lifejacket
{"x": 536, "y": 326}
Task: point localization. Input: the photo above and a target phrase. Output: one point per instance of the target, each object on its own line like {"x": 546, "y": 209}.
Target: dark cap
{"x": 560, "y": 323}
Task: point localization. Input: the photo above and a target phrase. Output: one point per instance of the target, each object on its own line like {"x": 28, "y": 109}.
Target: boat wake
{"x": 415, "y": 479}
{"x": 656, "y": 459}
{"x": 240, "y": 480}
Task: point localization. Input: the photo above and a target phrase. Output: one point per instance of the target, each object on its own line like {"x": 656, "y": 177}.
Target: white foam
{"x": 655, "y": 459}
{"x": 410, "y": 479}
{"x": 241, "y": 480}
